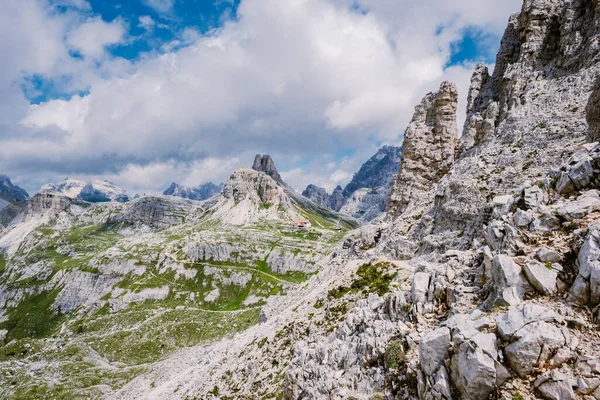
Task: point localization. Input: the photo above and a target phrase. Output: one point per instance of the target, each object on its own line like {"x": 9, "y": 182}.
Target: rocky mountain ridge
{"x": 366, "y": 196}
{"x": 96, "y": 191}
{"x": 484, "y": 284}
{"x": 202, "y": 192}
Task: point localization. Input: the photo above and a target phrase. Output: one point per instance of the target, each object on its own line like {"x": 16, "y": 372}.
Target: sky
{"x": 146, "y": 92}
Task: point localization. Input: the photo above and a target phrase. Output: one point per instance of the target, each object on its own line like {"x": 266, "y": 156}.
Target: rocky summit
{"x": 483, "y": 283}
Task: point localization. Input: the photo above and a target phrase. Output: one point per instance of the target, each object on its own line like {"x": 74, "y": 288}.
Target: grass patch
{"x": 372, "y": 278}
{"x": 33, "y": 317}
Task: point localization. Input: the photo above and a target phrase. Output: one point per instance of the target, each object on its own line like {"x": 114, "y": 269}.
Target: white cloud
{"x": 146, "y": 22}
{"x": 92, "y": 37}
{"x": 299, "y": 79}
{"x": 161, "y": 6}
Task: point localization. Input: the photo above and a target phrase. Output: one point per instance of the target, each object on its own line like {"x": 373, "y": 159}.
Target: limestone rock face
{"x": 47, "y": 201}
{"x": 317, "y": 194}
{"x": 257, "y": 186}
{"x": 378, "y": 171}
{"x": 264, "y": 163}
{"x": 593, "y": 113}
{"x": 366, "y": 196}
{"x": 429, "y": 144}
{"x": 336, "y": 199}
{"x": 156, "y": 212}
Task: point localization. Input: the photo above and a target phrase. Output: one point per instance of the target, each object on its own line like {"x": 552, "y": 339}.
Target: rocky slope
{"x": 497, "y": 298}
{"x": 94, "y": 293}
{"x": 97, "y": 191}
{"x": 202, "y": 192}
{"x": 366, "y": 196}
{"x": 485, "y": 283}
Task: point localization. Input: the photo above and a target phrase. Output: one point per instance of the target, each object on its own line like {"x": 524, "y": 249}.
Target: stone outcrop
{"x": 264, "y": 163}
{"x": 155, "y": 212}
{"x": 260, "y": 187}
{"x": 47, "y": 202}
{"x": 429, "y": 144}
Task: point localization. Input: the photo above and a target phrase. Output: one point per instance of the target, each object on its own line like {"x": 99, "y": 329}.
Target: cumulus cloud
{"x": 146, "y": 22}
{"x": 299, "y": 79}
{"x": 92, "y": 37}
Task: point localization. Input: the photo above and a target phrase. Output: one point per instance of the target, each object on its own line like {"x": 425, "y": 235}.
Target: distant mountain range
{"x": 97, "y": 191}
{"x": 365, "y": 197}
{"x": 202, "y": 192}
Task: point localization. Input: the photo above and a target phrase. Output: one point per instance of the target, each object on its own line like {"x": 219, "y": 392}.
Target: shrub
{"x": 394, "y": 356}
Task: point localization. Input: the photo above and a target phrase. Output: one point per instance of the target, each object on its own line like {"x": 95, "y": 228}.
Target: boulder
{"x": 502, "y": 200}
{"x": 579, "y": 208}
{"x": 532, "y": 346}
{"x": 533, "y": 197}
{"x": 523, "y": 218}
{"x": 541, "y": 278}
{"x": 582, "y": 173}
{"x": 516, "y": 318}
{"x": 564, "y": 185}
{"x": 587, "y": 284}
{"x": 554, "y": 385}
{"x": 433, "y": 350}
{"x": 508, "y": 281}
{"x": 548, "y": 255}
{"x": 476, "y": 371}
{"x": 420, "y": 287}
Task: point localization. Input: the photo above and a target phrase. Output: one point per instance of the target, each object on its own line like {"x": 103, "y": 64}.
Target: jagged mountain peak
{"x": 378, "y": 171}
{"x": 10, "y": 192}
{"x": 202, "y": 192}
{"x": 264, "y": 163}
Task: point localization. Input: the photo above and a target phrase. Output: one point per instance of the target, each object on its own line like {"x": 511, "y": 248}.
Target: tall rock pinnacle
{"x": 264, "y": 163}
{"x": 429, "y": 144}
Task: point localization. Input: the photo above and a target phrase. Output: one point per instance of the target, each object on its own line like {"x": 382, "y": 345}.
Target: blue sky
{"x": 145, "y": 92}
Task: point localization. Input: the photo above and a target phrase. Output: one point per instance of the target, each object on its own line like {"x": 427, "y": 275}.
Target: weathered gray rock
{"x": 581, "y": 174}
{"x": 420, "y": 286}
{"x": 534, "y": 197}
{"x": 564, "y": 185}
{"x": 588, "y": 279}
{"x": 548, "y": 255}
{"x": 579, "y": 208}
{"x": 554, "y": 385}
{"x": 523, "y": 218}
{"x": 429, "y": 144}
{"x": 533, "y": 345}
{"x": 541, "y": 278}
{"x": 516, "y": 318}
{"x": 433, "y": 350}
{"x": 476, "y": 371}
{"x": 317, "y": 194}
{"x": 508, "y": 282}
{"x": 264, "y": 163}
{"x": 156, "y": 212}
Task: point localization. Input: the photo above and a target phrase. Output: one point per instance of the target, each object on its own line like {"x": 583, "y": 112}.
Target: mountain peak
{"x": 11, "y": 192}
{"x": 264, "y": 163}
{"x": 202, "y": 192}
